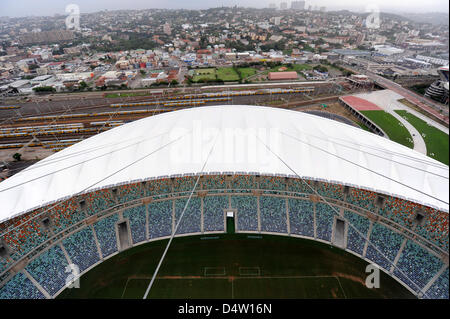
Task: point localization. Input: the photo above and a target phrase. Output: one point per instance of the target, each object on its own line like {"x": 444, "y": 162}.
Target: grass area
{"x": 420, "y": 88}
{"x": 294, "y": 67}
{"x": 227, "y": 74}
{"x": 246, "y": 72}
{"x": 204, "y": 74}
{"x": 224, "y": 74}
{"x": 391, "y": 126}
{"x": 275, "y": 102}
{"x": 302, "y": 67}
{"x": 418, "y": 109}
{"x": 437, "y": 142}
{"x": 180, "y": 288}
{"x": 286, "y": 267}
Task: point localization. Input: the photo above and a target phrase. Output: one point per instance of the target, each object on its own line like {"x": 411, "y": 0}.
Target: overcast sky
{"x": 19, "y": 8}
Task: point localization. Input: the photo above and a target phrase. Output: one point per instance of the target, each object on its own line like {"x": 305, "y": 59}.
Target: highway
{"x": 437, "y": 110}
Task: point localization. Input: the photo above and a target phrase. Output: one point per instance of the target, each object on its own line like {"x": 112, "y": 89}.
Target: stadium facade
{"x": 439, "y": 90}
{"x": 279, "y": 172}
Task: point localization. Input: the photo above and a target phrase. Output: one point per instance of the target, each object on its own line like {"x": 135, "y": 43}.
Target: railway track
{"x": 49, "y": 129}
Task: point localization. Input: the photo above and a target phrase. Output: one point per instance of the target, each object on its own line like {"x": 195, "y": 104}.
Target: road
{"x": 437, "y": 110}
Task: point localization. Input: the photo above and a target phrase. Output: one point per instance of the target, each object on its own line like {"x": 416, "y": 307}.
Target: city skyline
{"x": 23, "y": 8}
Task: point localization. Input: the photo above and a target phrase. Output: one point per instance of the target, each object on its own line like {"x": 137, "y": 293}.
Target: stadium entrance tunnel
{"x": 124, "y": 235}
{"x": 334, "y": 228}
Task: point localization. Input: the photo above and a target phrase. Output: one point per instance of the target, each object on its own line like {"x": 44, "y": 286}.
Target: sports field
{"x": 437, "y": 142}
{"x": 246, "y": 72}
{"x": 224, "y": 74}
{"x": 391, "y": 126}
{"x": 227, "y": 74}
{"x": 204, "y": 74}
{"x": 235, "y": 266}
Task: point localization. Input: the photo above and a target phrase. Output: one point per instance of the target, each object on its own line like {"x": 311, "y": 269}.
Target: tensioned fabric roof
{"x": 229, "y": 138}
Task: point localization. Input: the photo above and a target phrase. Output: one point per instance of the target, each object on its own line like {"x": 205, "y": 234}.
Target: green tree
{"x": 17, "y": 157}
{"x": 83, "y": 85}
{"x": 43, "y": 89}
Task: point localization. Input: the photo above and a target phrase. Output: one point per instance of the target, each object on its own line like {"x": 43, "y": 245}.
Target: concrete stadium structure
{"x": 280, "y": 172}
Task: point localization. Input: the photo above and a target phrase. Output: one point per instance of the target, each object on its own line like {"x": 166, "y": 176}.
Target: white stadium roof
{"x": 229, "y": 138}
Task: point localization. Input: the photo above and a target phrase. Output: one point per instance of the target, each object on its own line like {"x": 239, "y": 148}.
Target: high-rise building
{"x": 283, "y": 5}
{"x": 400, "y": 38}
{"x": 360, "y": 38}
{"x": 167, "y": 29}
{"x": 298, "y": 5}
{"x": 323, "y": 9}
{"x": 277, "y": 20}
{"x": 272, "y": 5}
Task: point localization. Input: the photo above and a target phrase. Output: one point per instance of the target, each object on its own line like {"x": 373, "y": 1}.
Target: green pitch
{"x": 235, "y": 266}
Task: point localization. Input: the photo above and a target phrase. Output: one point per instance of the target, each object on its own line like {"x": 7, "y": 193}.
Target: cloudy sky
{"x": 18, "y": 8}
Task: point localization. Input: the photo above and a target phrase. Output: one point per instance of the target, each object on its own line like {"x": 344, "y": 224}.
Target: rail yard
{"x": 57, "y": 124}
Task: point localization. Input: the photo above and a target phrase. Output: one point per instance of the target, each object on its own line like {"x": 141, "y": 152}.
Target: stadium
{"x": 273, "y": 180}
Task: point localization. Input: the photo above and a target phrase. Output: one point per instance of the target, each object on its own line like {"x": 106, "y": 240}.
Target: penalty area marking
{"x": 222, "y": 275}
{"x": 125, "y": 288}
{"x": 342, "y": 288}
{"x": 249, "y": 271}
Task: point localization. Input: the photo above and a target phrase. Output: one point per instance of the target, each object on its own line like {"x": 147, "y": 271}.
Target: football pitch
{"x": 228, "y": 266}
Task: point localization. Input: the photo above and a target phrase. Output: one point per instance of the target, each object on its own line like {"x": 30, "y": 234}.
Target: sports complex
{"x": 255, "y": 202}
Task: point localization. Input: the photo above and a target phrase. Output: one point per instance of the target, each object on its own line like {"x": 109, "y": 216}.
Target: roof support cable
{"x": 379, "y": 156}
{"x": 368, "y": 169}
{"x": 338, "y": 214}
{"x": 179, "y": 221}
{"x": 92, "y": 185}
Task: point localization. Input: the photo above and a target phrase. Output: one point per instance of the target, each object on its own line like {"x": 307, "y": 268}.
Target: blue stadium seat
{"x": 247, "y": 212}
{"x": 160, "y": 219}
{"x": 301, "y": 217}
{"x": 105, "y": 231}
{"x": 137, "y": 218}
{"x": 20, "y": 287}
{"x": 82, "y": 249}
{"x": 273, "y": 214}
{"x": 49, "y": 269}
{"x": 358, "y": 225}
{"x": 213, "y": 213}
{"x": 191, "y": 218}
